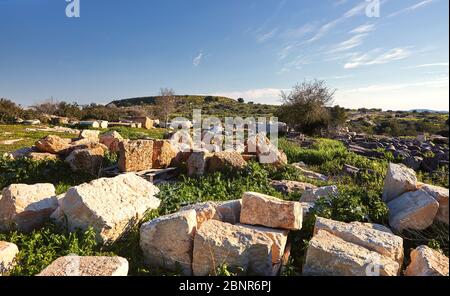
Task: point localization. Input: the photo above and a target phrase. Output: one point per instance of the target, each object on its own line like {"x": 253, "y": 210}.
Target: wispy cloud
{"x": 353, "y": 42}
{"x": 266, "y": 36}
{"x": 430, "y": 65}
{"x": 369, "y": 59}
{"x": 412, "y": 8}
{"x": 366, "y": 28}
{"x": 198, "y": 59}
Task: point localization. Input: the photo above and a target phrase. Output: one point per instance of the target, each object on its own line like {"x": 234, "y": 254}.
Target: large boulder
{"x": 441, "y": 195}
{"x": 265, "y": 210}
{"x": 329, "y": 255}
{"x": 26, "y": 207}
{"x": 399, "y": 179}
{"x": 8, "y": 253}
{"x": 86, "y": 160}
{"x": 427, "y": 262}
{"x": 135, "y": 155}
{"x": 412, "y": 210}
{"x": 52, "y": 144}
{"x": 385, "y": 243}
{"x": 286, "y": 186}
{"x": 312, "y": 195}
{"x": 217, "y": 243}
{"x": 163, "y": 154}
{"x": 168, "y": 241}
{"x": 197, "y": 163}
{"x": 221, "y": 161}
{"x": 111, "y": 140}
{"x": 91, "y": 135}
{"x": 110, "y": 205}
{"x": 87, "y": 266}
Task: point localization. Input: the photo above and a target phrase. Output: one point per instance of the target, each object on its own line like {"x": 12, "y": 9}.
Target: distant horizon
{"x": 392, "y": 59}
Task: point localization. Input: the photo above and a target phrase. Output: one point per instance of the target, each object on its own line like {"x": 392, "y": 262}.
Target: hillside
{"x": 210, "y": 105}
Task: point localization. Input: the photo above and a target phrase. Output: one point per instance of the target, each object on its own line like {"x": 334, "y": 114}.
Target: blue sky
{"x": 239, "y": 48}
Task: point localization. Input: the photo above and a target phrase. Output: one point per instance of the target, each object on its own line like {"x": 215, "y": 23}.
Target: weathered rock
{"x": 8, "y": 252}
{"x": 163, "y": 154}
{"x": 427, "y": 262}
{"x": 110, "y": 205}
{"x": 42, "y": 156}
{"x": 387, "y": 244}
{"x": 312, "y": 195}
{"x": 229, "y": 211}
{"x": 86, "y": 160}
{"x": 329, "y": 255}
{"x": 91, "y": 135}
{"x": 52, "y": 144}
{"x": 26, "y": 207}
{"x": 374, "y": 226}
{"x": 221, "y": 161}
{"x": 135, "y": 155}
{"x": 412, "y": 210}
{"x": 310, "y": 174}
{"x": 204, "y": 211}
{"x": 287, "y": 187}
{"x": 111, "y": 140}
{"x": 307, "y": 208}
{"x": 413, "y": 162}
{"x": 266, "y": 152}
{"x": 264, "y": 210}
{"x": 441, "y": 195}
{"x": 217, "y": 243}
{"x": 197, "y": 163}
{"x": 278, "y": 237}
{"x": 168, "y": 241}
{"x": 399, "y": 179}
{"x": 87, "y": 266}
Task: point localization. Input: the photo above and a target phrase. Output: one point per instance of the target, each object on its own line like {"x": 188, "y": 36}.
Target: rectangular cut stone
{"x": 87, "y": 266}
{"x": 135, "y": 156}
{"x": 427, "y": 262}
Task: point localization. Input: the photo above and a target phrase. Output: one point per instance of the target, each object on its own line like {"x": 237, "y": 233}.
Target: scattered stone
{"x": 163, "y": 154}
{"x": 110, "y": 205}
{"x": 52, "y": 144}
{"x": 204, "y": 211}
{"x": 217, "y": 243}
{"x": 441, "y": 195}
{"x": 91, "y": 135}
{"x": 412, "y": 210}
{"x": 36, "y": 156}
{"x": 310, "y": 174}
{"x": 87, "y": 266}
{"x": 312, "y": 195}
{"x": 86, "y": 160}
{"x": 399, "y": 179}
{"x": 26, "y": 207}
{"x": 287, "y": 187}
{"x": 10, "y": 142}
{"x": 427, "y": 262}
{"x": 135, "y": 155}
{"x": 221, "y": 161}
{"x": 167, "y": 241}
{"x": 329, "y": 255}
{"x": 413, "y": 162}
{"x": 8, "y": 252}
{"x": 229, "y": 211}
{"x": 385, "y": 243}
{"x": 111, "y": 140}
{"x": 197, "y": 163}
{"x": 265, "y": 210}
{"x": 374, "y": 226}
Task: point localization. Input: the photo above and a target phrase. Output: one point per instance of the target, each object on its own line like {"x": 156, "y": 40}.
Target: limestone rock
{"x": 221, "y": 161}
{"x": 197, "y": 163}
{"x": 229, "y": 211}
{"x": 36, "y": 156}
{"x": 87, "y": 266}
{"x": 52, "y": 144}
{"x": 26, "y": 207}
{"x": 374, "y": 226}
{"x": 312, "y": 195}
{"x": 412, "y": 210}
{"x": 110, "y": 205}
{"x": 86, "y": 160}
{"x": 427, "y": 262}
{"x": 287, "y": 187}
{"x": 91, "y": 135}
{"x": 163, "y": 154}
{"x": 218, "y": 243}
{"x": 441, "y": 195}
{"x": 399, "y": 179}
{"x": 135, "y": 155}
{"x": 264, "y": 210}
{"x": 329, "y": 255}
{"x": 310, "y": 174}
{"x": 168, "y": 241}
{"x": 8, "y": 252}
{"x": 387, "y": 244}
{"x": 204, "y": 211}
{"x": 111, "y": 140}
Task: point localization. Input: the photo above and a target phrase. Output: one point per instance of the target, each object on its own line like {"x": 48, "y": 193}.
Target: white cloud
{"x": 430, "y": 65}
{"x": 353, "y": 42}
{"x": 198, "y": 59}
{"x": 367, "y": 59}
{"x": 412, "y": 8}
{"x": 266, "y": 36}
{"x": 366, "y": 28}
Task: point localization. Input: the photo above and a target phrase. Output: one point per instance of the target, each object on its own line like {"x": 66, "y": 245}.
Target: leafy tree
{"x": 241, "y": 100}
{"x": 9, "y": 111}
